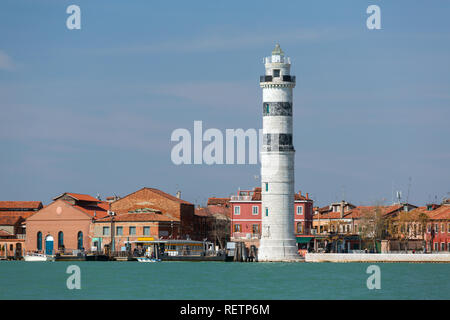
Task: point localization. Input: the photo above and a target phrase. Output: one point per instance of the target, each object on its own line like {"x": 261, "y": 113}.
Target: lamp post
{"x": 112, "y": 214}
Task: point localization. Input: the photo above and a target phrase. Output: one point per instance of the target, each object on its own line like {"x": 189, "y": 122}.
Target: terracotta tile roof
{"x": 10, "y": 220}
{"x": 256, "y": 195}
{"x": 23, "y": 214}
{"x": 140, "y": 217}
{"x": 79, "y": 196}
{"x": 214, "y": 211}
{"x": 168, "y": 196}
{"x": 20, "y": 205}
{"x": 95, "y": 212}
{"x": 4, "y": 233}
{"x": 104, "y": 205}
{"x": 161, "y": 193}
{"x": 201, "y": 212}
{"x": 218, "y": 201}
{"x": 441, "y": 213}
{"x": 355, "y": 213}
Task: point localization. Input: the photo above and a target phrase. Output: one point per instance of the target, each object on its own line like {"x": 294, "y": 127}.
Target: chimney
{"x": 307, "y": 195}
{"x": 342, "y": 208}
{"x": 178, "y": 194}
{"x": 300, "y": 193}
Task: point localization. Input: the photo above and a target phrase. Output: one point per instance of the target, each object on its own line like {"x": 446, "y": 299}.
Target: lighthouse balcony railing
{"x": 285, "y": 78}
{"x": 277, "y": 60}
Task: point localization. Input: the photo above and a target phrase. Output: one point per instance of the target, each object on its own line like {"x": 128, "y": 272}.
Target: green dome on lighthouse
{"x": 277, "y": 51}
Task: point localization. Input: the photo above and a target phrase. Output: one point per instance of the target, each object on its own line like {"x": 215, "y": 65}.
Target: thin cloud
{"x": 222, "y": 42}
{"x": 6, "y": 62}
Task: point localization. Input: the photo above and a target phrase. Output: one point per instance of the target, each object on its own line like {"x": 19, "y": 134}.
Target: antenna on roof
{"x": 399, "y": 196}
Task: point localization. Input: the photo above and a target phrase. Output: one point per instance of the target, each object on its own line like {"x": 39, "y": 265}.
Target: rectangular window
{"x": 237, "y": 210}
{"x": 255, "y": 210}
{"x": 132, "y": 231}
{"x": 436, "y": 228}
{"x": 267, "y": 108}
{"x": 267, "y": 212}
{"x": 428, "y": 228}
{"x": 436, "y": 246}
{"x": 442, "y": 246}
{"x": 106, "y": 231}
{"x": 442, "y": 228}
{"x": 276, "y": 72}
{"x": 237, "y": 228}
{"x": 255, "y": 228}
{"x": 299, "y": 210}
{"x": 119, "y": 231}
{"x": 146, "y": 231}
{"x": 299, "y": 227}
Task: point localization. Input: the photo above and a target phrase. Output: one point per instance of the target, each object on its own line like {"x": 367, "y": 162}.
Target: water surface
{"x": 219, "y": 280}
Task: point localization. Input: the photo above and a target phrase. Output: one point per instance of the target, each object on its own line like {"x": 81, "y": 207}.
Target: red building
{"x": 438, "y": 228}
{"x": 246, "y": 215}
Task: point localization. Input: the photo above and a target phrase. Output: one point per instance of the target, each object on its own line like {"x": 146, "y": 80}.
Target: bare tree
{"x": 372, "y": 224}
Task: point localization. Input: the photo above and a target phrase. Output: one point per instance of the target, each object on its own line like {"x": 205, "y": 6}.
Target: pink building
{"x": 246, "y": 215}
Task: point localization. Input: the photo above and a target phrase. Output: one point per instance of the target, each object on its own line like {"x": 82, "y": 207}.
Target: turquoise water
{"x": 219, "y": 280}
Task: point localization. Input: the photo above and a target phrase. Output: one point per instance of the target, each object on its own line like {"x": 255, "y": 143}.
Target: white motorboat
{"x": 145, "y": 259}
{"x": 38, "y": 257}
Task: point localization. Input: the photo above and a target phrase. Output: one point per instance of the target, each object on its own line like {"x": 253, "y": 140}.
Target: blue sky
{"x": 92, "y": 110}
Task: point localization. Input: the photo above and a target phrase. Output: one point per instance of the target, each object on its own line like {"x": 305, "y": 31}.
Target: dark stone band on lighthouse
{"x": 277, "y": 109}
{"x": 277, "y": 142}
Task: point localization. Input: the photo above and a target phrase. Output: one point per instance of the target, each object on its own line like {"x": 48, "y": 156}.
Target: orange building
{"x": 64, "y": 225}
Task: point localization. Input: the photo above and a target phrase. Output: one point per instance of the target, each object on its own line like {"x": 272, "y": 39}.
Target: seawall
{"x": 376, "y": 257}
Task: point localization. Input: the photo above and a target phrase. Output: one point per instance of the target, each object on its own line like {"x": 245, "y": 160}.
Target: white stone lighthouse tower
{"x": 277, "y": 161}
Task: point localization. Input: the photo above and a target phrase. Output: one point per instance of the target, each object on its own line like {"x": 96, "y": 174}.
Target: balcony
{"x": 265, "y": 78}
{"x": 281, "y": 59}
{"x": 241, "y": 198}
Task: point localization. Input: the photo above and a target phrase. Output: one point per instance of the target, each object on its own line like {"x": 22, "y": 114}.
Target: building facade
{"x": 65, "y": 226}
{"x": 247, "y": 216}
{"x": 12, "y": 226}
{"x": 173, "y": 208}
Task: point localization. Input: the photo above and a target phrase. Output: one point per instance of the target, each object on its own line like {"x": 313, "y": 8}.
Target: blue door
{"x": 49, "y": 245}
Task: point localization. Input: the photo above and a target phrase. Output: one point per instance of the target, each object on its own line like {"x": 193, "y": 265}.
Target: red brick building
{"x": 136, "y": 225}
{"x": 12, "y": 226}
{"x": 64, "y": 225}
{"x": 437, "y": 234}
{"x": 213, "y": 221}
{"x": 246, "y": 215}
{"x": 175, "y": 212}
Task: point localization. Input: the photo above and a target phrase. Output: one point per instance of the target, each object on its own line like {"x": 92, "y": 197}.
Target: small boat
{"x": 38, "y": 257}
{"x": 148, "y": 260}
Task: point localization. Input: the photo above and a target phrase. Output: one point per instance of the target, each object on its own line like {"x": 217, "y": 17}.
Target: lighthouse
{"x": 277, "y": 161}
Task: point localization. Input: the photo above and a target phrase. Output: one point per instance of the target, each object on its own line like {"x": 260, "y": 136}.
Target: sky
{"x": 92, "y": 110}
